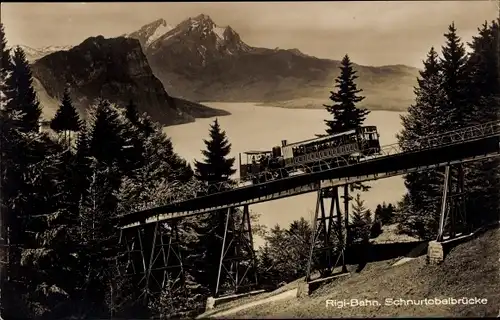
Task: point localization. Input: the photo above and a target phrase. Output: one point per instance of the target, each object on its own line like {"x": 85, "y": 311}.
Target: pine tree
{"x": 133, "y": 139}
{"x": 359, "y": 227}
{"x": 81, "y": 167}
{"x": 424, "y": 117}
{"x": 4, "y": 72}
{"x": 215, "y": 168}
{"x": 106, "y": 142}
{"x": 483, "y": 177}
{"x": 23, "y": 151}
{"x": 23, "y": 103}
{"x": 5, "y": 65}
{"x": 66, "y": 118}
{"x": 455, "y": 82}
{"x": 98, "y": 238}
{"x": 384, "y": 213}
{"x": 346, "y": 115}
{"x": 50, "y": 258}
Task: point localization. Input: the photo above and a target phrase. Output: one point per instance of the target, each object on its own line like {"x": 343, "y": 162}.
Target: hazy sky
{"x": 372, "y": 32}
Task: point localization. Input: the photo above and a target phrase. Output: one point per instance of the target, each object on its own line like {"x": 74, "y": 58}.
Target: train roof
{"x": 322, "y": 138}
{"x": 254, "y": 152}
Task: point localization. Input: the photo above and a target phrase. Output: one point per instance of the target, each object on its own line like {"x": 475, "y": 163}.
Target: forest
{"x": 61, "y": 189}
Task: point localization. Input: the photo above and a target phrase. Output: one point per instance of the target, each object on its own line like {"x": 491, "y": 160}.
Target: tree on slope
{"x": 455, "y": 82}
{"x": 216, "y": 168}
{"x": 23, "y": 101}
{"x": 4, "y": 70}
{"x": 484, "y": 182}
{"x": 385, "y": 213}
{"x": 5, "y": 64}
{"x": 361, "y": 219}
{"x": 106, "y": 141}
{"x": 50, "y": 257}
{"x": 424, "y": 117}
{"x": 66, "y": 118}
{"x": 22, "y": 151}
{"x": 346, "y": 114}
{"x": 162, "y": 177}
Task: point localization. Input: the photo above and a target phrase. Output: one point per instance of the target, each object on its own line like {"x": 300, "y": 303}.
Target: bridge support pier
{"x": 328, "y": 243}
{"x": 153, "y": 259}
{"x": 237, "y": 267}
{"x": 453, "y": 218}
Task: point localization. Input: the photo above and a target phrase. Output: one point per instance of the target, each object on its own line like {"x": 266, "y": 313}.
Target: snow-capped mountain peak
{"x": 148, "y": 33}
{"x": 199, "y": 35}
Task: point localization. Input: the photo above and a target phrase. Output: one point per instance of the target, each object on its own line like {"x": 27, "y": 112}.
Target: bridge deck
{"x": 468, "y": 149}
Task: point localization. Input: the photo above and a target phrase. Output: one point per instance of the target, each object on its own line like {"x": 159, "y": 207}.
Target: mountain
{"x": 150, "y": 32}
{"x": 33, "y": 54}
{"x": 115, "y": 69}
{"x": 201, "y": 61}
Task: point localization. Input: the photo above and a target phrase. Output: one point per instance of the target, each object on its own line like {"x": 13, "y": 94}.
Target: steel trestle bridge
{"x": 468, "y": 144}
{"x": 151, "y": 234}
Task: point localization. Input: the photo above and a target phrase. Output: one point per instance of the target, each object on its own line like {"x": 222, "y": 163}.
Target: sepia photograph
{"x": 249, "y": 160}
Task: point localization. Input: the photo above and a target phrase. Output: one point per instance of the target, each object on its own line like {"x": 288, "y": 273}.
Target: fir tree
{"x": 134, "y": 139}
{"x": 424, "y": 117}
{"x": 106, "y": 142}
{"x": 81, "y": 168}
{"x": 23, "y": 151}
{"x": 50, "y": 257}
{"x": 384, "y": 213}
{"x": 4, "y": 70}
{"x": 5, "y": 66}
{"x": 483, "y": 182}
{"x": 66, "y": 118}
{"x": 346, "y": 115}
{"x": 359, "y": 227}
{"x": 98, "y": 238}
{"x": 23, "y": 101}
{"x": 216, "y": 167}
{"x": 455, "y": 82}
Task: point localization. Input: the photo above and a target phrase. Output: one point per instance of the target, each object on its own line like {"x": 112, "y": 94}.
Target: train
{"x": 309, "y": 155}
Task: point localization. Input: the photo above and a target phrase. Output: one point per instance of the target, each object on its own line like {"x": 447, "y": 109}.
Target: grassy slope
{"x": 470, "y": 270}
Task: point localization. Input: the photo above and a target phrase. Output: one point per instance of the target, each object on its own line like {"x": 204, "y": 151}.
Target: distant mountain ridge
{"x": 33, "y": 54}
{"x": 115, "y": 69}
{"x": 198, "y": 60}
{"x": 201, "y": 61}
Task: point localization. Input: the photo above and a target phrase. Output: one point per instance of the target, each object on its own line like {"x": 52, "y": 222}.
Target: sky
{"x": 371, "y": 32}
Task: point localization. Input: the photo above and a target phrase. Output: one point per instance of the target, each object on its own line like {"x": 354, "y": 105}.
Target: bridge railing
{"x": 424, "y": 143}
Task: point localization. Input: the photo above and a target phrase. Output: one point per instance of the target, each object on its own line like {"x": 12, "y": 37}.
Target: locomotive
{"x": 309, "y": 155}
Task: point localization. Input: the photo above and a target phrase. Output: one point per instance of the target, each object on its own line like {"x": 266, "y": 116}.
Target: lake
{"x": 250, "y": 127}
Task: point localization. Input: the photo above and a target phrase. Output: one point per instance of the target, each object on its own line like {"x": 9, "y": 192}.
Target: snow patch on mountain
{"x": 160, "y": 31}
{"x": 219, "y": 32}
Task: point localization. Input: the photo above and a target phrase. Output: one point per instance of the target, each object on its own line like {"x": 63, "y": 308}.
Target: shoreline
{"x": 285, "y": 105}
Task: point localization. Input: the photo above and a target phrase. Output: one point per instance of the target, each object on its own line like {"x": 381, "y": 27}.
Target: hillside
{"x": 114, "y": 69}
{"x": 199, "y": 60}
{"x": 470, "y": 270}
